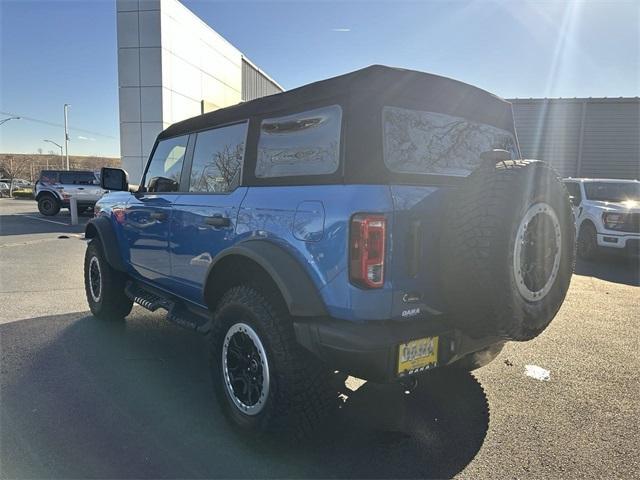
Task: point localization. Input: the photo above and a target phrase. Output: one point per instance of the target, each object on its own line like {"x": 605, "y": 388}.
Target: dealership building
{"x": 172, "y": 66}
{"x": 581, "y": 137}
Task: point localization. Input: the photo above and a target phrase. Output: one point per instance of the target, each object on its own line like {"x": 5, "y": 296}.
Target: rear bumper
{"x": 369, "y": 350}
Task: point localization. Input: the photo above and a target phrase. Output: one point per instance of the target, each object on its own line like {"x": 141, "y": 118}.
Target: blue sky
{"x": 56, "y": 52}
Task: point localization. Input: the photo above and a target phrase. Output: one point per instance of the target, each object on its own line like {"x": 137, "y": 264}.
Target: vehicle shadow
{"x": 611, "y": 267}
{"x": 86, "y": 399}
{"x": 25, "y": 224}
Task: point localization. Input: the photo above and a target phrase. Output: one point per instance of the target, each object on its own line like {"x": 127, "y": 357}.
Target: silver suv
{"x": 55, "y": 188}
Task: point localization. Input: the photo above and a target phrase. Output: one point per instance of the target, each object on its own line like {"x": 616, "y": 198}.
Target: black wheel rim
{"x": 246, "y": 371}
{"x": 95, "y": 279}
{"x": 537, "y": 252}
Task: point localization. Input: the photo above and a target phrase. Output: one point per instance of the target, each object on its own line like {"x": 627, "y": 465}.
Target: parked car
{"x": 372, "y": 223}
{"x": 4, "y": 188}
{"x": 21, "y": 183}
{"x": 54, "y": 189}
{"x": 607, "y": 214}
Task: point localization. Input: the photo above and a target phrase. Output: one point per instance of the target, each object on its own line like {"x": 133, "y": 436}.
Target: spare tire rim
{"x": 536, "y": 256}
{"x": 95, "y": 279}
{"x": 245, "y": 368}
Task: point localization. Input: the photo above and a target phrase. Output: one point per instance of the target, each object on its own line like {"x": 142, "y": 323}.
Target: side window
{"x": 49, "y": 177}
{"x": 574, "y": 191}
{"x": 306, "y": 143}
{"x": 165, "y": 168}
{"x": 77, "y": 178}
{"x": 217, "y": 159}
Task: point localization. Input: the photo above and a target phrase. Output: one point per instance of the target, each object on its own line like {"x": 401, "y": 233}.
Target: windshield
{"x": 427, "y": 142}
{"x": 612, "y": 192}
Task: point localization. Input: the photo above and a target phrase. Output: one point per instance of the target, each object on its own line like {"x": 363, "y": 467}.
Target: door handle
{"x": 218, "y": 221}
{"x": 80, "y": 188}
{"x": 160, "y": 216}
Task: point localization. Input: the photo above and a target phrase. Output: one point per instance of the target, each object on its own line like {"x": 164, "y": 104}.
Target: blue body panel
{"x": 284, "y": 215}
{"x": 309, "y": 222}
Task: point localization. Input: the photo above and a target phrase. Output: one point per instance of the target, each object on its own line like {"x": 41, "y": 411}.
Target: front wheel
{"x": 48, "y": 206}
{"x": 264, "y": 380}
{"x": 104, "y": 286}
{"x": 587, "y": 241}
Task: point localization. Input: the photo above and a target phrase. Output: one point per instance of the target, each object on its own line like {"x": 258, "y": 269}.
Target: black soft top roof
{"x": 375, "y": 84}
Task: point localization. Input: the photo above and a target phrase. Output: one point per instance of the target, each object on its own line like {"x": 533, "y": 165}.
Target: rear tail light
{"x": 367, "y": 250}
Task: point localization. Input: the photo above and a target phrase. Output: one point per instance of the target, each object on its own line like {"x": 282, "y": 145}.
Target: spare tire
{"x": 508, "y": 250}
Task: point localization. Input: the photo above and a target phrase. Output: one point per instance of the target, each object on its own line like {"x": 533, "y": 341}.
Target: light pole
{"x": 66, "y": 134}
{"x": 5, "y": 120}
{"x": 57, "y": 145}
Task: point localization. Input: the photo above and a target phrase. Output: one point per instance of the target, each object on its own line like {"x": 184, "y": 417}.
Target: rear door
{"x": 204, "y": 217}
{"x": 148, "y": 212}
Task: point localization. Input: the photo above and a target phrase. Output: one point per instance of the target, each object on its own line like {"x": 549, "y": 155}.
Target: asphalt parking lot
{"x": 81, "y": 398}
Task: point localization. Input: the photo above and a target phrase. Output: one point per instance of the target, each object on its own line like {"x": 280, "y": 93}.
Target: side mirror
{"x": 496, "y": 155}
{"x": 114, "y": 179}
{"x": 573, "y": 200}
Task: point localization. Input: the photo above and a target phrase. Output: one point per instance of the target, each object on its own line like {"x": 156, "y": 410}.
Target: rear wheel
{"x": 264, "y": 380}
{"x": 104, "y": 286}
{"x": 47, "y": 205}
{"x": 587, "y": 241}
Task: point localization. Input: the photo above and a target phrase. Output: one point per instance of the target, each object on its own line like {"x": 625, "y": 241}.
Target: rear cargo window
{"x": 306, "y": 143}
{"x": 435, "y": 143}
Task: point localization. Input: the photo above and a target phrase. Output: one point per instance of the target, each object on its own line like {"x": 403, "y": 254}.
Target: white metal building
{"x": 172, "y": 66}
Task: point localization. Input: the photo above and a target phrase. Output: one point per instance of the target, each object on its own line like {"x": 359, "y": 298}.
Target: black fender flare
{"x": 101, "y": 228}
{"x": 53, "y": 193}
{"x": 298, "y": 290}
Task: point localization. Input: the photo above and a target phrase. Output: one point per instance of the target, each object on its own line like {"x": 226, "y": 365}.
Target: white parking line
{"x": 42, "y": 219}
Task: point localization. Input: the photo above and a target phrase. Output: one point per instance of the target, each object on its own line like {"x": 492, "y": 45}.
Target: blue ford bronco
{"x": 380, "y": 224}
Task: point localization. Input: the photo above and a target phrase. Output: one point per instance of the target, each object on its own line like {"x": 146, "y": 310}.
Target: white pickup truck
{"x": 607, "y": 214}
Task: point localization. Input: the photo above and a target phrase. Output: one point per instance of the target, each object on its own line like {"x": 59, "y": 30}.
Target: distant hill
{"x": 28, "y": 166}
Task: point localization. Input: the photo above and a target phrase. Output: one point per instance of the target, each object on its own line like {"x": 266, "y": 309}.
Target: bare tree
{"x": 228, "y": 161}
{"x": 12, "y": 169}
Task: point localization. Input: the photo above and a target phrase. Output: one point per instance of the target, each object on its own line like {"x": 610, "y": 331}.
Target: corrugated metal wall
{"x": 582, "y": 137}
{"x": 255, "y": 84}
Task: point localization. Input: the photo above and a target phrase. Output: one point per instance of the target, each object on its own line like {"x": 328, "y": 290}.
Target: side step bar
{"x": 177, "y": 312}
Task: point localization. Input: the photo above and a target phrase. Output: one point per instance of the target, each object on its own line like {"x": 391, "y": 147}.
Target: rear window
{"x": 306, "y": 143}
{"x": 417, "y": 141}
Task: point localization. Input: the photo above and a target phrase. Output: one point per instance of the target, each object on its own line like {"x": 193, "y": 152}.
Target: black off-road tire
{"x": 485, "y": 219}
{"x": 48, "y": 205}
{"x": 587, "y": 241}
{"x": 109, "y": 301}
{"x": 299, "y": 394}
